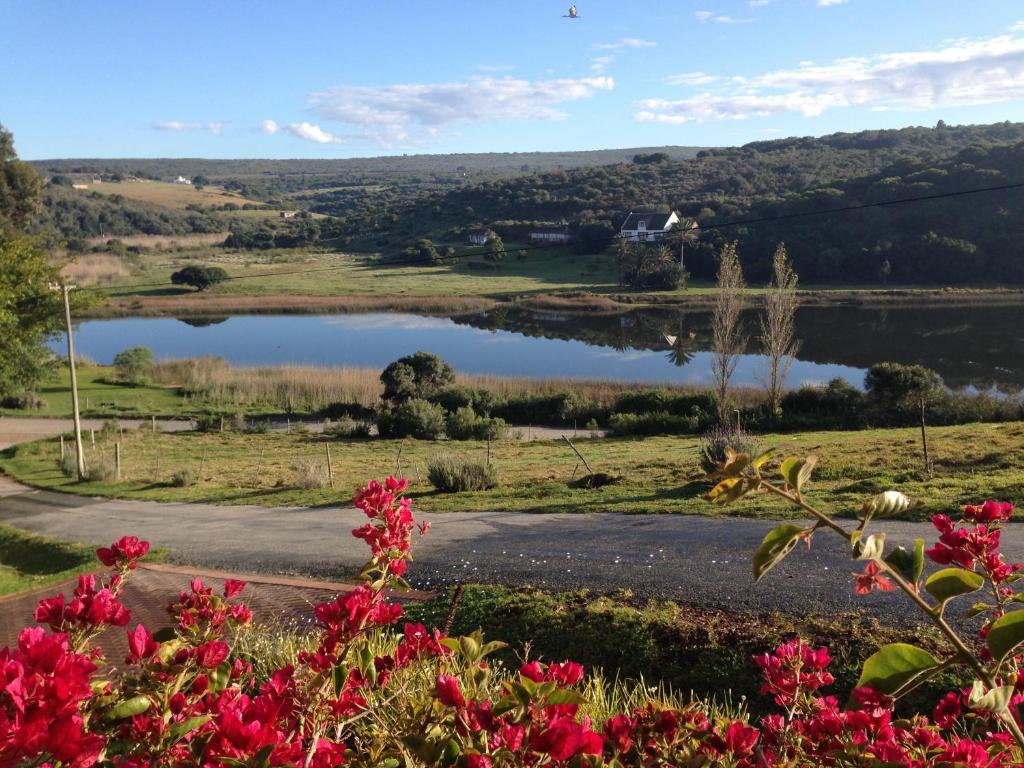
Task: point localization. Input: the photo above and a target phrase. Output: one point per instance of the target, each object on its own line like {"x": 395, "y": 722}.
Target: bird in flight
{"x": 573, "y": 13}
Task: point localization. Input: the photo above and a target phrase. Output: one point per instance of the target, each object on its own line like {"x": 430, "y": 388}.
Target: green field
{"x": 100, "y": 397}
{"x": 29, "y": 562}
{"x": 168, "y": 193}
{"x": 655, "y": 474}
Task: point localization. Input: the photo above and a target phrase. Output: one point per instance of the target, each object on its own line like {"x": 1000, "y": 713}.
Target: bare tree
{"x": 778, "y": 326}
{"x": 726, "y": 335}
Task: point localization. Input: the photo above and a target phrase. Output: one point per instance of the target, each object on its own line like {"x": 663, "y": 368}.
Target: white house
{"x": 551, "y": 234}
{"x": 640, "y": 227}
{"x": 182, "y": 180}
{"x": 479, "y": 236}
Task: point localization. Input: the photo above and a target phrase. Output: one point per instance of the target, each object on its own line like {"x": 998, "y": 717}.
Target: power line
{"x": 525, "y": 249}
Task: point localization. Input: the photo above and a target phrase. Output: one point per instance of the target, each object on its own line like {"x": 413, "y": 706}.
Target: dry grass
{"x": 307, "y": 388}
{"x": 167, "y": 193}
{"x": 167, "y": 242}
{"x": 97, "y": 269}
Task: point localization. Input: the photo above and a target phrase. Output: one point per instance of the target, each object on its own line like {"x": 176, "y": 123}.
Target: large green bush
{"x": 412, "y": 418}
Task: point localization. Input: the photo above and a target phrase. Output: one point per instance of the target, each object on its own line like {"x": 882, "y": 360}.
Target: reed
{"x": 310, "y": 388}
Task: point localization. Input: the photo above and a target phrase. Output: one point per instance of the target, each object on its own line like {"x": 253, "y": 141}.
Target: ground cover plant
{"x": 361, "y": 693}
{"x": 535, "y": 476}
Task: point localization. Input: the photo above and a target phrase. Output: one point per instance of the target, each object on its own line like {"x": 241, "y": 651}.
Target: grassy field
{"x": 656, "y": 474}
{"x": 168, "y": 194}
{"x": 29, "y": 562}
{"x": 99, "y": 397}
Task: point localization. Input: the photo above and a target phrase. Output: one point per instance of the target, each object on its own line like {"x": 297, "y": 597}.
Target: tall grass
{"x": 308, "y": 388}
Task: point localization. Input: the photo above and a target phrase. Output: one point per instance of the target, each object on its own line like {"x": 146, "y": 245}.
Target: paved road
{"x": 688, "y": 559}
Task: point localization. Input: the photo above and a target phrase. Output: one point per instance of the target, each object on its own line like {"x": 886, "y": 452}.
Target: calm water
{"x": 980, "y": 347}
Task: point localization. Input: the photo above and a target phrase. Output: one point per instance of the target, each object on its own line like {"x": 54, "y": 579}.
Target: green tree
{"x": 728, "y": 342}
{"x": 133, "y": 365}
{"x": 899, "y": 391}
{"x": 30, "y": 314}
{"x": 497, "y": 251}
{"x": 778, "y": 326}
{"x": 420, "y": 375}
{"x": 199, "y": 277}
{"x": 20, "y": 187}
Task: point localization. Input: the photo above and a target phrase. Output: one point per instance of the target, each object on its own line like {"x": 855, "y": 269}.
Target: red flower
{"x": 123, "y": 553}
{"x": 449, "y": 693}
{"x": 565, "y": 738}
{"x": 233, "y": 588}
{"x": 871, "y": 579}
{"x": 532, "y": 671}
{"x": 947, "y": 711}
{"x": 566, "y": 673}
{"x": 212, "y": 654}
{"x": 740, "y": 739}
{"x": 619, "y": 731}
{"x": 479, "y": 761}
{"x": 141, "y": 645}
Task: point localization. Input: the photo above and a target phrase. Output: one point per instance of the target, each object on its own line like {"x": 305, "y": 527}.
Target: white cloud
{"x": 758, "y": 3}
{"x": 826, "y": 3}
{"x": 692, "y": 79}
{"x": 1018, "y": 27}
{"x": 964, "y": 73}
{"x": 310, "y": 132}
{"x": 175, "y": 126}
{"x": 269, "y": 127}
{"x": 704, "y": 16}
{"x": 601, "y": 63}
{"x": 626, "y": 42}
{"x": 403, "y": 113}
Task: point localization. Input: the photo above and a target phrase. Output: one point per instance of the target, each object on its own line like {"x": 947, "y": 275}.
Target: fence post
{"x": 62, "y": 447}
{"x": 92, "y": 436}
{"x": 330, "y": 467}
{"x": 117, "y": 459}
{"x": 152, "y": 423}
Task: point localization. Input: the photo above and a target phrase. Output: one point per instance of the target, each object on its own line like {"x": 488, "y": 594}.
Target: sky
{"x": 353, "y": 78}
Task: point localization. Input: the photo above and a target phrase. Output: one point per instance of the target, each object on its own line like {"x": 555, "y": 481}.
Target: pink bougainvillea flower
{"x": 233, "y": 588}
{"x": 123, "y": 553}
{"x": 449, "y": 692}
{"x": 871, "y": 579}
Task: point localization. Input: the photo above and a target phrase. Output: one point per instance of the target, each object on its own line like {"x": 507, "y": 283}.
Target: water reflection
{"x": 968, "y": 346}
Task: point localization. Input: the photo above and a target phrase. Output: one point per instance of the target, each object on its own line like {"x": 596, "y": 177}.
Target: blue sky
{"x": 344, "y": 78}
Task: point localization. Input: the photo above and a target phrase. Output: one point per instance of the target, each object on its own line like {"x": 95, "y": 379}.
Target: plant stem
{"x": 911, "y": 591}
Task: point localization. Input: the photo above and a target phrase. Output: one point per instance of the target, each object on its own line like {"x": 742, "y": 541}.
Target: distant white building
{"x": 642, "y": 227}
{"x": 182, "y": 180}
{"x": 479, "y": 236}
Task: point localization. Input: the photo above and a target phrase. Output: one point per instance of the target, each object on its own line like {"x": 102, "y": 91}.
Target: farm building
{"x": 640, "y": 227}
{"x": 182, "y": 180}
{"x": 479, "y": 236}
{"x": 550, "y": 235}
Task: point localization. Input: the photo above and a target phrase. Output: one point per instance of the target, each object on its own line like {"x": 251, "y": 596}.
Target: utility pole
{"x": 79, "y": 448}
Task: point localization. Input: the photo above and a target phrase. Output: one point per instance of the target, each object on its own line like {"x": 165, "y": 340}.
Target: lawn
{"x": 654, "y": 474}
{"x": 101, "y": 398}
{"x": 29, "y": 562}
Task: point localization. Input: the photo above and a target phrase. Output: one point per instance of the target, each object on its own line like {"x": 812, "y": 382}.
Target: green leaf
{"x": 796, "y": 472}
{"x": 565, "y": 696}
{"x": 727, "y": 491}
{"x": 1006, "y": 634}
{"x": 776, "y": 545}
{"x": 129, "y": 708}
{"x": 908, "y": 564}
{"x": 948, "y": 583}
{"x": 760, "y": 460}
{"x": 996, "y": 700}
{"x": 884, "y": 504}
{"x": 220, "y": 677}
{"x": 871, "y": 548}
{"x": 187, "y": 726}
{"x": 895, "y": 665}
{"x": 977, "y": 609}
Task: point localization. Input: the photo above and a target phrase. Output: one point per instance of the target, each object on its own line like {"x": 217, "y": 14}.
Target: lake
{"x": 978, "y": 347}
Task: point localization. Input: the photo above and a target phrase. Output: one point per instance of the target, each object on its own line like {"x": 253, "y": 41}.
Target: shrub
{"x": 309, "y": 473}
{"x": 111, "y": 428}
{"x": 100, "y": 469}
{"x": 68, "y": 464}
{"x": 715, "y": 441}
{"x": 22, "y": 401}
{"x": 660, "y": 423}
{"x": 417, "y": 376}
{"x": 837, "y": 405}
{"x": 199, "y": 277}
{"x": 464, "y": 424}
{"x": 413, "y": 418}
{"x": 215, "y": 422}
{"x": 348, "y": 428}
{"x": 450, "y": 474}
{"x": 563, "y": 409}
{"x": 184, "y": 477}
{"x": 133, "y": 365}
{"x": 341, "y": 410}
